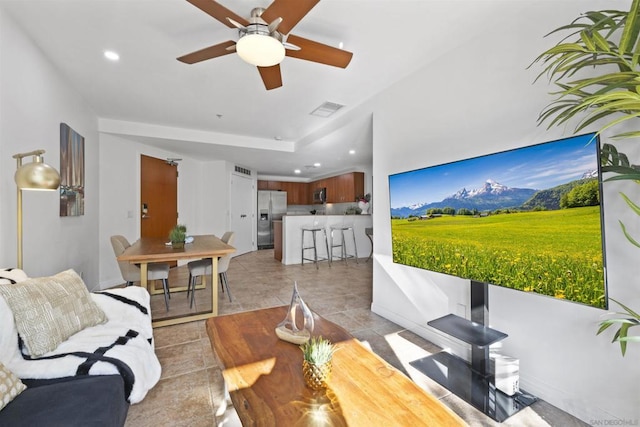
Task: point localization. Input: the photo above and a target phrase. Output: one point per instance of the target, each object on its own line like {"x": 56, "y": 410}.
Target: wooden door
{"x": 159, "y": 196}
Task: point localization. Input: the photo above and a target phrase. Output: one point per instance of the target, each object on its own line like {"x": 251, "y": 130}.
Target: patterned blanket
{"x": 123, "y": 345}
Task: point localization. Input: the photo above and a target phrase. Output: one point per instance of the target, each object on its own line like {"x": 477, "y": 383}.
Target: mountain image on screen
{"x": 528, "y": 219}
{"x": 493, "y": 195}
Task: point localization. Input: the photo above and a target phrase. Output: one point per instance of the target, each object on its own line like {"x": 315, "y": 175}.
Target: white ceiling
{"x": 223, "y": 98}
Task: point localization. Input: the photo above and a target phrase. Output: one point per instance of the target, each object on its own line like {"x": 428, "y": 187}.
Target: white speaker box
{"x": 506, "y": 371}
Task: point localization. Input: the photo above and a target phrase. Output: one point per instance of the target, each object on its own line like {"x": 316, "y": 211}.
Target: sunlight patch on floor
{"x": 406, "y": 352}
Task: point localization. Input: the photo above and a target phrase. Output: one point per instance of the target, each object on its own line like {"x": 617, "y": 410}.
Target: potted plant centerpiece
{"x": 596, "y": 71}
{"x": 316, "y": 363}
{"x": 177, "y": 236}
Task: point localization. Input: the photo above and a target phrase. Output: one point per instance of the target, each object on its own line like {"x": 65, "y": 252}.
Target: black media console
{"x": 472, "y": 382}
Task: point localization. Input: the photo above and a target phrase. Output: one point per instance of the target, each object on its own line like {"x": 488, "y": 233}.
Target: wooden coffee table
{"x": 264, "y": 378}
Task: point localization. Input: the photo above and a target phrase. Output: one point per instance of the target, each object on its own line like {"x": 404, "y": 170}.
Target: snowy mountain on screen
{"x": 490, "y": 196}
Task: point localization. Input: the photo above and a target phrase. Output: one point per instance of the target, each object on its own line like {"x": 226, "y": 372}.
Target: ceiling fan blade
{"x": 291, "y": 12}
{"x": 219, "y": 12}
{"x": 271, "y": 76}
{"x": 208, "y": 52}
{"x": 318, "y": 52}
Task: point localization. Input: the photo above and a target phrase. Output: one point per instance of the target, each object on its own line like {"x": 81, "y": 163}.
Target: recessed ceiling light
{"x": 277, "y": 138}
{"x": 352, "y": 151}
{"x": 316, "y": 165}
{"x": 297, "y": 171}
{"x": 111, "y": 55}
{"x": 341, "y": 45}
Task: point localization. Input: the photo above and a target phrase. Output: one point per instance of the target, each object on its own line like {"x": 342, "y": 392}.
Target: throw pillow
{"x": 10, "y": 386}
{"x": 12, "y": 275}
{"x": 48, "y": 310}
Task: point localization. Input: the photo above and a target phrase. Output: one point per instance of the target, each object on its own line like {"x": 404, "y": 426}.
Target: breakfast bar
{"x": 292, "y": 234}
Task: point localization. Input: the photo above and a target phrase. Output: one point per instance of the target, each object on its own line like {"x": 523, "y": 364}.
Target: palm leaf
{"x": 598, "y": 39}
{"x": 631, "y": 29}
{"x": 628, "y": 310}
{"x": 632, "y": 205}
{"x": 628, "y": 236}
{"x": 594, "y": 44}
{"x": 633, "y": 338}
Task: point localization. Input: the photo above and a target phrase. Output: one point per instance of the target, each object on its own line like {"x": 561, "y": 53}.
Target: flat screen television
{"x": 528, "y": 219}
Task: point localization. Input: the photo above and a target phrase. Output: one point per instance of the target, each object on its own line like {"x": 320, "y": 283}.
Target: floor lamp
{"x": 36, "y": 175}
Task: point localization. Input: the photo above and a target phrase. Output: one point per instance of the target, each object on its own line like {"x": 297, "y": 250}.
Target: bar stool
{"x": 314, "y": 229}
{"x": 369, "y": 233}
{"x": 340, "y": 229}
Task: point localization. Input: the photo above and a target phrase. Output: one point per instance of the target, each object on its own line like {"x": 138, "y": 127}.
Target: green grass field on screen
{"x": 556, "y": 253}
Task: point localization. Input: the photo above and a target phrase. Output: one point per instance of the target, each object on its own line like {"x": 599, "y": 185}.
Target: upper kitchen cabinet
{"x": 297, "y": 192}
{"x": 340, "y": 189}
{"x": 345, "y": 188}
{"x": 269, "y": 185}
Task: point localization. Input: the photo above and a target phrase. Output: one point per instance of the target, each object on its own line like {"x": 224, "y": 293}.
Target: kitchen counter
{"x": 292, "y": 234}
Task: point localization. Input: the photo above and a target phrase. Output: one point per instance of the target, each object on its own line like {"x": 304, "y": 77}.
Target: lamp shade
{"x": 37, "y": 176}
{"x": 260, "y": 50}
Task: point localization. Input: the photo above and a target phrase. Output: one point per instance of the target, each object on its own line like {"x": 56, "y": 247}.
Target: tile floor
{"x": 190, "y": 391}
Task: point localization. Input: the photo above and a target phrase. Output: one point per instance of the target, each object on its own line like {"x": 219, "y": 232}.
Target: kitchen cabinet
{"x": 269, "y": 185}
{"x": 345, "y": 188}
{"x": 340, "y": 189}
{"x": 297, "y": 192}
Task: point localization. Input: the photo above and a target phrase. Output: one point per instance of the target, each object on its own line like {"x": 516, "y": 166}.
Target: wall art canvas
{"x": 71, "y": 172}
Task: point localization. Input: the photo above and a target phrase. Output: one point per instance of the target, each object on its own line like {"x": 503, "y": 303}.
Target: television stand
{"x": 472, "y": 382}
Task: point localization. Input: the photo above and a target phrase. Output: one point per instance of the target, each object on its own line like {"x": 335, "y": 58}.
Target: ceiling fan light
{"x": 260, "y": 50}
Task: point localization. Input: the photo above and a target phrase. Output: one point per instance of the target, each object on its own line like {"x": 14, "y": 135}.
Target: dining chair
{"x": 132, "y": 273}
{"x": 203, "y": 267}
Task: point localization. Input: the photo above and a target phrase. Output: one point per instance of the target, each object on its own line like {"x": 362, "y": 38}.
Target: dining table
{"x": 155, "y": 249}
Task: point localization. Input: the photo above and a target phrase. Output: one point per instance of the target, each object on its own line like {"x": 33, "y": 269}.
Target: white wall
{"x": 34, "y": 99}
{"x": 476, "y": 101}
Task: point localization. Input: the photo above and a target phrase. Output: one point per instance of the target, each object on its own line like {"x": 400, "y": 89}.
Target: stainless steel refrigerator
{"x": 271, "y": 206}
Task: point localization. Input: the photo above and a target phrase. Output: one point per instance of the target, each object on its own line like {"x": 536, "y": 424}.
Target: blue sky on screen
{"x": 537, "y": 167}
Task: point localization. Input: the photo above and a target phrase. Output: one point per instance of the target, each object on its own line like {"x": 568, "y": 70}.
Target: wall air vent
{"x": 326, "y": 109}
{"x": 242, "y": 170}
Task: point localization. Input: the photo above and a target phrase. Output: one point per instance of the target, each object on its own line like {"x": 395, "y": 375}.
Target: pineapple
{"x": 316, "y": 364}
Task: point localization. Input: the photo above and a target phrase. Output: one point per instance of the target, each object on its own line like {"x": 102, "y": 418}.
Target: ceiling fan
{"x": 265, "y": 40}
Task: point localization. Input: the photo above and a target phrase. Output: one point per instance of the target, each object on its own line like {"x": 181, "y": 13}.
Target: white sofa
{"x": 123, "y": 345}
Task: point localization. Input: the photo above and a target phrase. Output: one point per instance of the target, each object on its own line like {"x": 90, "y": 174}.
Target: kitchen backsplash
{"x": 326, "y": 209}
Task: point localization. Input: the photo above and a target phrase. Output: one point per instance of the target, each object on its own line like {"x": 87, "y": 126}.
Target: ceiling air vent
{"x": 326, "y": 109}
{"x": 242, "y": 170}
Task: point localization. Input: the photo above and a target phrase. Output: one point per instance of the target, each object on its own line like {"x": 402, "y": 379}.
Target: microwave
{"x": 319, "y": 195}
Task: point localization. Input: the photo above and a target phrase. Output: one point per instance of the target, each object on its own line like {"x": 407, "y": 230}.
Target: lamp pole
{"x": 19, "y": 222}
